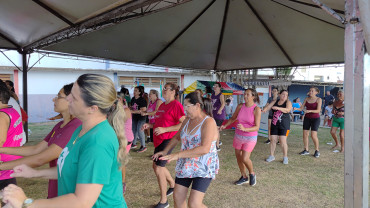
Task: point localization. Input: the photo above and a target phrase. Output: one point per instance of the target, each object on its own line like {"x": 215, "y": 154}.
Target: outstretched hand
{"x": 170, "y": 157}
{"x": 23, "y": 171}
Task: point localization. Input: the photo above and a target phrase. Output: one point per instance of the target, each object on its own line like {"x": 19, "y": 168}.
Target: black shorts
{"x": 311, "y": 123}
{"x": 6, "y": 182}
{"x": 219, "y": 122}
{"x": 270, "y": 117}
{"x": 278, "y": 131}
{"x": 199, "y": 184}
{"x": 161, "y": 147}
{"x": 151, "y": 134}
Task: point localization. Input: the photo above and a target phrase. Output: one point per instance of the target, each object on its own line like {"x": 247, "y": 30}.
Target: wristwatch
{"x": 27, "y": 202}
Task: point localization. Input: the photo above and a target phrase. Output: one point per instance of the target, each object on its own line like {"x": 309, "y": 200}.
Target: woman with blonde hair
{"x": 89, "y": 167}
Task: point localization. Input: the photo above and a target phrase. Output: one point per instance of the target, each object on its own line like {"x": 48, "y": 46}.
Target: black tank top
{"x": 280, "y": 119}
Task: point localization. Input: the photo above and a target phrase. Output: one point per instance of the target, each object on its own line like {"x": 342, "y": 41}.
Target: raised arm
{"x": 209, "y": 134}
{"x": 161, "y": 130}
{"x": 50, "y": 153}
{"x": 257, "y": 121}
{"x": 85, "y": 196}
{"x": 222, "y": 100}
{"x": 302, "y": 106}
{"x": 318, "y": 109}
{"x": 173, "y": 142}
{"x": 269, "y": 106}
{"x": 287, "y": 109}
{"x": 233, "y": 118}
{"x": 25, "y": 150}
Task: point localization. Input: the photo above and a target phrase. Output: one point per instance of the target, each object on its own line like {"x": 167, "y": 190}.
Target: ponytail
{"x": 116, "y": 119}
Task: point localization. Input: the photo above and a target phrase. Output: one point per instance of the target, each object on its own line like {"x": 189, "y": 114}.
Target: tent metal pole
{"x": 356, "y": 90}
{"x": 25, "y": 90}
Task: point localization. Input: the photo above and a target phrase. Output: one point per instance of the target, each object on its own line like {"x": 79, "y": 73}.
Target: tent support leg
{"x": 356, "y": 159}
{"x": 25, "y": 90}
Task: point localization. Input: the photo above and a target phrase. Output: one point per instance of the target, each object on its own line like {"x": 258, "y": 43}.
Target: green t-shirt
{"x": 92, "y": 160}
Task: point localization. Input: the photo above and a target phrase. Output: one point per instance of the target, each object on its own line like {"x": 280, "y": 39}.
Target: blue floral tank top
{"x": 205, "y": 166}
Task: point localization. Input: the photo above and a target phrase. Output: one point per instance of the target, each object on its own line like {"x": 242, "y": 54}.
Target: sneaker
{"x": 285, "y": 160}
{"x": 162, "y": 205}
{"x": 169, "y": 191}
{"x": 270, "y": 158}
{"x": 317, "y": 154}
{"x": 304, "y": 152}
{"x": 218, "y": 149}
{"x": 241, "y": 181}
{"x": 219, "y": 143}
{"x": 133, "y": 146}
{"x": 267, "y": 142}
{"x": 252, "y": 180}
{"x": 142, "y": 149}
{"x": 278, "y": 142}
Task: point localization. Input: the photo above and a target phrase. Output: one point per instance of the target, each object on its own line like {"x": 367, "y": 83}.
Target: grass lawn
{"x": 305, "y": 182}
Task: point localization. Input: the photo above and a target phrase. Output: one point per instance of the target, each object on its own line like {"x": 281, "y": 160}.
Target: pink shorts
{"x": 128, "y": 147}
{"x": 245, "y": 143}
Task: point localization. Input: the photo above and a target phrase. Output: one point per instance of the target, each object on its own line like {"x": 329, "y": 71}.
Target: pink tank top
{"x": 13, "y": 138}
{"x": 312, "y": 106}
{"x": 246, "y": 118}
{"x": 128, "y": 128}
{"x": 151, "y": 108}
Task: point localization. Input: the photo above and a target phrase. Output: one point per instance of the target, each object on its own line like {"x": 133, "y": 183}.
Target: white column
{"x": 356, "y": 91}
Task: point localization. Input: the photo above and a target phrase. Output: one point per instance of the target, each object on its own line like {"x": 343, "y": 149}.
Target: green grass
{"x": 305, "y": 182}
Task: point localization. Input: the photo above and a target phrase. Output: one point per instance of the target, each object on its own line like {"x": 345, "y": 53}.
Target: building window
{"x": 146, "y": 81}
{"x": 319, "y": 78}
{"x": 5, "y": 77}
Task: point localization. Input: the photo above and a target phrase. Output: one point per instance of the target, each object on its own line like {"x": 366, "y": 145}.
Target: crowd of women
{"x": 87, "y": 151}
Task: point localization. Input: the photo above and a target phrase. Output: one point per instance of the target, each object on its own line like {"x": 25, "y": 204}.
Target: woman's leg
{"x": 134, "y": 130}
{"x": 269, "y": 129}
{"x": 305, "y": 138}
{"x": 333, "y": 132}
{"x": 325, "y": 120}
{"x": 179, "y": 196}
{"x": 247, "y": 161}
{"x": 273, "y": 144}
{"x": 140, "y": 132}
{"x": 315, "y": 139}
{"x": 196, "y": 199}
{"x": 169, "y": 179}
{"x": 239, "y": 159}
{"x": 341, "y": 135}
{"x": 160, "y": 172}
{"x": 284, "y": 145}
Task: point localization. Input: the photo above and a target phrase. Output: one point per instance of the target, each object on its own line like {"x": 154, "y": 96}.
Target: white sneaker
{"x": 285, "y": 160}
{"x": 270, "y": 158}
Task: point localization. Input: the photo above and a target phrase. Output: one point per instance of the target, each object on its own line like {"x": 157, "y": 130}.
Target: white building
{"x": 52, "y": 72}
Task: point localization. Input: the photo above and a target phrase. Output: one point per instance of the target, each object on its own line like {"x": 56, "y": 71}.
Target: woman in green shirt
{"x": 89, "y": 167}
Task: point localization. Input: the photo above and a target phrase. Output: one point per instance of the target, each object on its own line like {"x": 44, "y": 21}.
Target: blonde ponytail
{"x": 116, "y": 119}
{"x": 99, "y": 90}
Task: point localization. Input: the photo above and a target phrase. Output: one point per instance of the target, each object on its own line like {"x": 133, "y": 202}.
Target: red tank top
{"x": 312, "y": 106}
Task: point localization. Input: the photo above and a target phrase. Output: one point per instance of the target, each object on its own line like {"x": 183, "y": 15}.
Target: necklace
{"x": 77, "y": 137}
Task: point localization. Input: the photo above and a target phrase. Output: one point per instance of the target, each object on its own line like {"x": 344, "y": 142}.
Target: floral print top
{"x": 205, "y": 166}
